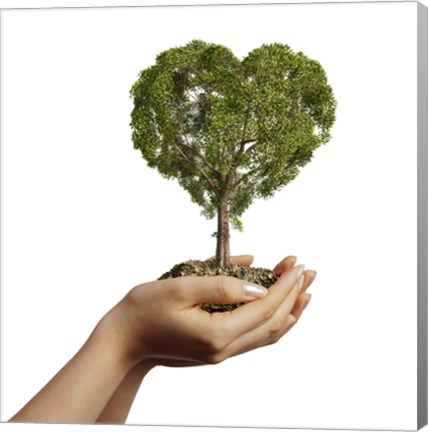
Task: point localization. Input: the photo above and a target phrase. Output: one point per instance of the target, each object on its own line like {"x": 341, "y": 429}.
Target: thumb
{"x": 221, "y": 289}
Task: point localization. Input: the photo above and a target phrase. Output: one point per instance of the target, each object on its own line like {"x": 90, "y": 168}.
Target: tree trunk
{"x": 223, "y": 236}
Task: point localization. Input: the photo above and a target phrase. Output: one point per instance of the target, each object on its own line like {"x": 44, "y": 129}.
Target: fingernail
{"x": 300, "y": 280}
{"x": 301, "y": 268}
{"x": 308, "y": 299}
{"x": 254, "y": 290}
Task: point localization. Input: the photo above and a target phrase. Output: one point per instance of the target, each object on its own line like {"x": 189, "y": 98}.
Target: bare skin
{"x": 161, "y": 323}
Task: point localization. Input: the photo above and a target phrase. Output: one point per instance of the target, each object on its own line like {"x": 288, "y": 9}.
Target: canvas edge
{"x": 1, "y": 215}
{"x": 422, "y": 166}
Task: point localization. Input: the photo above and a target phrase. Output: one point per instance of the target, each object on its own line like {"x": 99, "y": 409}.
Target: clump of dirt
{"x": 260, "y": 276}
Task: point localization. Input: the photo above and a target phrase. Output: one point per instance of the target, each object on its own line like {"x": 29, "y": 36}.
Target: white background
{"x": 84, "y": 219}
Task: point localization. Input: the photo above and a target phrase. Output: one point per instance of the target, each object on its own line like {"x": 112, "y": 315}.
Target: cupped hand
{"x": 163, "y": 322}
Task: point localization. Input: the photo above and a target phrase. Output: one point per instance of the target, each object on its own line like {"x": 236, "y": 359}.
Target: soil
{"x": 260, "y": 276}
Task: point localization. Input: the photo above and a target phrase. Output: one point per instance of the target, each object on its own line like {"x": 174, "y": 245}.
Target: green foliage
{"x": 231, "y": 129}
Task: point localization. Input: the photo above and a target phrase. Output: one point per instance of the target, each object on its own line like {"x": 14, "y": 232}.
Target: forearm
{"x": 81, "y": 389}
{"x": 119, "y": 405}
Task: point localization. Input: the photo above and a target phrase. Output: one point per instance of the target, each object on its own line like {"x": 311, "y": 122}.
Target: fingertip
{"x": 290, "y": 321}
{"x": 286, "y": 264}
{"x": 310, "y": 276}
{"x": 244, "y": 260}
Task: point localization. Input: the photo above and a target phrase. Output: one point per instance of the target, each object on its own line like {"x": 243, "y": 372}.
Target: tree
{"x": 230, "y": 131}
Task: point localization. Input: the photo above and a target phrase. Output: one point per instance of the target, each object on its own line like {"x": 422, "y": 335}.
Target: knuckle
{"x": 132, "y": 296}
{"x": 215, "y": 358}
{"x": 274, "y": 332}
{"x": 213, "y": 341}
{"x": 212, "y": 347}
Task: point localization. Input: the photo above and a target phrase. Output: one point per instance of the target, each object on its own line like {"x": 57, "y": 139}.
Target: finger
{"x": 243, "y": 260}
{"x": 297, "y": 311}
{"x": 295, "y": 315}
{"x": 254, "y": 314}
{"x": 285, "y": 265}
{"x": 300, "y": 305}
{"x": 308, "y": 278}
{"x": 286, "y": 308}
{"x": 194, "y": 290}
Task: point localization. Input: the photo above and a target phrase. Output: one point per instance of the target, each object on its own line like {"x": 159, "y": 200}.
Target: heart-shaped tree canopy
{"x": 231, "y": 131}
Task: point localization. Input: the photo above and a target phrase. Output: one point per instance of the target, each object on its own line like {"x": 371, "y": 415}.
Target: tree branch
{"x": 244, "y": 132}
{"x": 201, "y": 171}
{"x": 191, "y": 147}
{"x": 199, "y": 155}
{"x": 244, "y": 176}
{"x": 244, "y": 141}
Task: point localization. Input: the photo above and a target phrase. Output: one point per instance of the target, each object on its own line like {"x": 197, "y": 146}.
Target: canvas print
{"x": 214, "y": 216}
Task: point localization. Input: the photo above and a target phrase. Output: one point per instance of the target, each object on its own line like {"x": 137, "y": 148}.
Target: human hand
{"x": 162, "y": 321}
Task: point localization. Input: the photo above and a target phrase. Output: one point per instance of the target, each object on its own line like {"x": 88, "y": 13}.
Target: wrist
{"x": 117, "y": 329}
{"x": 111, "y": 332}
